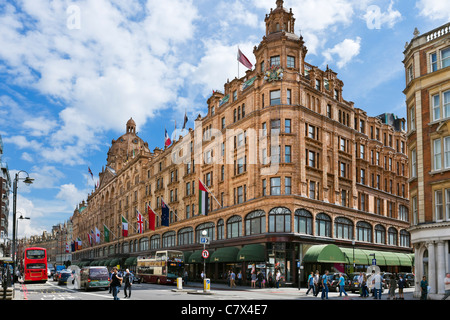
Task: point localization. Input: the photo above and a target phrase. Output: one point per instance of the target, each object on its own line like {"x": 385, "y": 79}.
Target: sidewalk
{"x": 294, "y": 291}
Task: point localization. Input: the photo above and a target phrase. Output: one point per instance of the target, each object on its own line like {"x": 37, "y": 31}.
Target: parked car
{"x": 386, "y": 278}
{"x": 64, "y": 275}
{"x": 94, "y": 278}
{"x": 334, "y": 280}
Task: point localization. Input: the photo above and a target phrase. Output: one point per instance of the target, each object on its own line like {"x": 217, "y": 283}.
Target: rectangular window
{"x": 447, "y": 152}
{"x": 287, "y": 125}
{"x": 287, "y": 154}
{"x": 287, "y": 185}
{"x": 413, "y": 164}
{"x": 275, "y": 61}
{"x": 234, "y": 95}
{"x": 412, "y": 118}
{"x": 288, "y": 96}
{"x": 446, "y": 104}
{"x": 275, "y": 97}
{"x": 447, "y": 204}
{"x": 438, "y": 205}
{"x": 290, "y": 62}
{"x": 312, "y": 189}
{"x": 264, "y": 186}
{"x": 437, "y": 154}
{"x": 436, "y": 107}
{"x": 433, "y": 61}
{"x": 317, "y": 84}
{"x": 240, "y": 195}
{"x": 275, "y": 186}
{"x": 445, "y": 58}
{"x": 312, "y": 159}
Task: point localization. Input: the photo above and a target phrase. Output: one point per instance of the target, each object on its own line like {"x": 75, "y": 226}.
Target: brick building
{"x": 289, "y": 163}
{"x": 427, "y": 68}
{"x": 5, "y": 187}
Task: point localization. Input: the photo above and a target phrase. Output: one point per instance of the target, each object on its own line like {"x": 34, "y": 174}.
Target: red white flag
{"x": 243, "y": 59}
{"x": 151, "y": 218}
{"x": 140, "y": 222}
{"x": 167, "y": 141}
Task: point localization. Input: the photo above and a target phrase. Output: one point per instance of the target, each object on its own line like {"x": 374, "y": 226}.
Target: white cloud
{"x": 375, "y": 18}
{"x": 434, "y": 9}
{"x": 122, "y": 62}
{"x": 345, "y": 50}
{"x": 71, "y": 195}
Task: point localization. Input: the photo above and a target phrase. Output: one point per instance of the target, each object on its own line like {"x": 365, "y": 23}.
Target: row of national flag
{"x": 94, "y": 237}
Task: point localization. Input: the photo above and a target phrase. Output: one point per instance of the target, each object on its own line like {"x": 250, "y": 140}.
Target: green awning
{"x": 131, "y": 261}
{"x": 405, "y": 259}
{"x": 187, "y": 254}
{"x": 381, "y": 261}
{"x": 224, "y": 100}
{"x": 390, "y": 258}
{"x": 248, "y": 83}
{"x": 360, "y": 256}
{"x": 327, "y": 253}
{"x": 227, "y": 254}
{"x": 252, "y": 252}
{"x": 114, "y": 262}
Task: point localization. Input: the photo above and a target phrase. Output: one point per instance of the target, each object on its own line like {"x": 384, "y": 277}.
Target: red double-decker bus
{"x": 35, "y": 265}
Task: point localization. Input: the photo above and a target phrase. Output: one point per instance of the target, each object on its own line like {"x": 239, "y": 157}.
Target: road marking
{"x": 77, "y": 291}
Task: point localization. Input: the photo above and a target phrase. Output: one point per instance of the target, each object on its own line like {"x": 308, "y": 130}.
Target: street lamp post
{"x": 28, "y": 181}
{"x": 17, "y": 230}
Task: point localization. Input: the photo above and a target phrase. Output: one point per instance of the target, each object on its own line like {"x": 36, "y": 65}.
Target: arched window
{"x": 155, "y": 242}
{"x": 220, "y": 230}
{"x": 125, "y": 247}
{"x": 303, "y": 221}
{"x": 364, "y": 231}
{"x": 209, "y": 227}
{"x": 343, "y": 228}
{"x": 168, "y": 239}
{"x": 255, "y": 222}
{"x": 186, "y": 236}
{"x": 380, "y": 234}
{"x": 392, "y": 236}
{"x": 323, "y": 225}
{"x": 405, "y": 238}
{"x": 234, "y": 227}
{"x": 143, "y": 244}
{"x": 280, "y": 220}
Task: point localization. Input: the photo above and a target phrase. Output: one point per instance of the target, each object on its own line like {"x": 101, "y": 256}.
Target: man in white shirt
{"x": 378, "y": 281}
{"x": 447, "y": 286}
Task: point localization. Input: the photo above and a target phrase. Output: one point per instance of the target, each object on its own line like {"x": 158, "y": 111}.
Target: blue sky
{"x": 73, "y": 72}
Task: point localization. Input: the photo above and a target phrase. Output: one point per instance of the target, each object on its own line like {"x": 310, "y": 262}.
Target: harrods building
{"x": 291, "y": 166}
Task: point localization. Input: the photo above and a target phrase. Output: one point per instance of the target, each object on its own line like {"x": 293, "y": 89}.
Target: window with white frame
{"x": 445, "y": 58}
{"x": 437, "y": 155}
{"x": 447, "y": 204}
{"x": 436, "y": 107}
{"x": 438, "y": 209}
{"x": 413, "y": 164}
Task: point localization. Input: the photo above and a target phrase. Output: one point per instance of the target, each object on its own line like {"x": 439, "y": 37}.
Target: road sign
{"x": 374, "y": 262}
{"x": 205, "y": 254}
{"x": 204, "y": 240}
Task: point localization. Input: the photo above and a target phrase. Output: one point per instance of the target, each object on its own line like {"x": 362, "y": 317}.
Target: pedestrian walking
{"x": 128, "y": 280}
{"x": 364, "y": 290}
{"x": 186, "y": 277}
{"x": 317, "y": 283}
{"x": 311, "y": 283}
{"x": 325, "y": 282}
{"x": 270, "y": 278}
{"x": 424, "y": 288}
{"x": 115, "y": 283}
{"x": 278, "y": 279}
{"x": 401, "y": 286}
{"x": 360, "y": 281}
{"x": 447, "y": 286}
{"x": 392, "y": 284}
{"x": 342, "y": 285}
{"x": 378, "y": 282}
{"x": 232, "y": 279}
